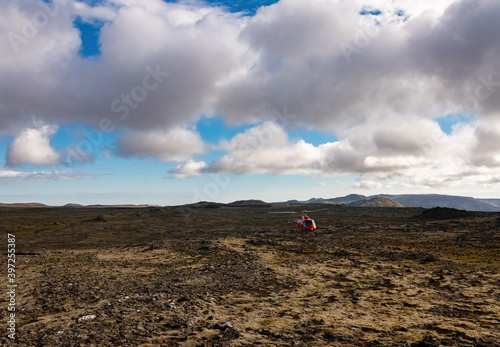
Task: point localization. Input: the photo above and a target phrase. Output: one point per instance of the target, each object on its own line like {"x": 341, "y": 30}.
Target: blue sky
{"x": 229, "y": 100}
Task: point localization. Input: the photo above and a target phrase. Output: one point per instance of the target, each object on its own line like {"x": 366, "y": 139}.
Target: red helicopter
{"x": 304, "y": 223}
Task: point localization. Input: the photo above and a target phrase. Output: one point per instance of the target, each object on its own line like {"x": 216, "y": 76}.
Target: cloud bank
{"x": 375, "y": 73}
{"x": 400, "y": 152}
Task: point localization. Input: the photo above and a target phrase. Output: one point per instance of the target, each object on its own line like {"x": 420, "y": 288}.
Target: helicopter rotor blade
{"x": 307, "y": 211}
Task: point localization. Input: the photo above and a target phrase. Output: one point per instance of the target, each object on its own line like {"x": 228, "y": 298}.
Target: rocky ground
{"x": 211, "y": 275}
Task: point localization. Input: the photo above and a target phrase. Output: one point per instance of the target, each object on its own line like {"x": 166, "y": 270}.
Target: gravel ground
{"x": 210, "y": 275}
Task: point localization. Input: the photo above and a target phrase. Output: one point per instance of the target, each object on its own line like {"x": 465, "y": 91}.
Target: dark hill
{"x": 73, "y": 205}
{"x": 445, "y": 213}
{"x": 291, "y": 202}
{"x": 205, "y": 204}
{"x": 249, "y": 203}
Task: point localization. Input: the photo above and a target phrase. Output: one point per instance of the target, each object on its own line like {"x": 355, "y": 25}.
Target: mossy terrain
{"x": 238, "y": 276}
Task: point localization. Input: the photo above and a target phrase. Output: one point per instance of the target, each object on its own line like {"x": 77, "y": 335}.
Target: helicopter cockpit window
{"x": 309, "y": 223}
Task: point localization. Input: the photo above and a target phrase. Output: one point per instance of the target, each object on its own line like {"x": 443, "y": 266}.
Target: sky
{"x": 174, "y": 102}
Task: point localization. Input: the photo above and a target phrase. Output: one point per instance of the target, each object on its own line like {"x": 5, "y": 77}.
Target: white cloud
{"x": 410, "y": 8}
{"x": 43, "y": 74}
{"x": 383, "y": 152}
{"x": 265, "y": 148}
{"x": 32, "y": 146}
{"x": 485, "y": 138}
{"x": 401, "y": 69}
{"x": 176, "y": 144}
{"x": 6, "y": 174}
{"x": 189, "y": 169}
{"x": 92, "y": 13}
{"x": 220, "y": 63}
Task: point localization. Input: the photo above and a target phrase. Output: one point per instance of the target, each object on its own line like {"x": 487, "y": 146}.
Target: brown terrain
{"x": 220, "y": 275}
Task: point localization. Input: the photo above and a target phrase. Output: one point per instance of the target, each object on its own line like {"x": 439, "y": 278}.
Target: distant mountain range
{"x": 71, "y": 205}
{"x": 377, "y": 201}
{"x": 414, "y": 200}
{"x": 355, "y": 200}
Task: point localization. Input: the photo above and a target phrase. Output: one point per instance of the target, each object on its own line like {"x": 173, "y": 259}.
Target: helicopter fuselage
{"x": 305, "y": 223}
